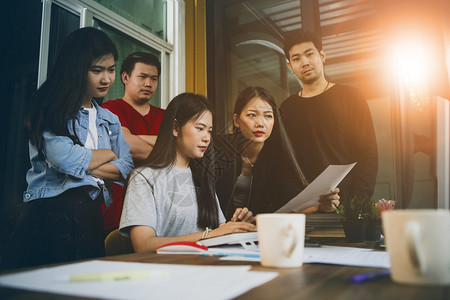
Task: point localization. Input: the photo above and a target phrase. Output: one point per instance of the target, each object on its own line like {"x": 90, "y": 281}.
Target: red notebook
{"x": 182, "y": 248}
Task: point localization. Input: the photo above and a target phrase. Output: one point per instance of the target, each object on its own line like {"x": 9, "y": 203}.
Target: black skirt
{"x": 59, "y": 229}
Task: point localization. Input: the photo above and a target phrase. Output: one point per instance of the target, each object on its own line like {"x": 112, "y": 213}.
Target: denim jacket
{"x": 66, "y": 164}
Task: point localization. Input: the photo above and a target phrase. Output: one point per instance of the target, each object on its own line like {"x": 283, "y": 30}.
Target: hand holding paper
{"x": 329, "y": 202}
{"x": 323, "y": 184}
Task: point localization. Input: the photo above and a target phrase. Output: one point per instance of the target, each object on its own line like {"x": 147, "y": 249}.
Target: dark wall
{"x": 20, "y": 34}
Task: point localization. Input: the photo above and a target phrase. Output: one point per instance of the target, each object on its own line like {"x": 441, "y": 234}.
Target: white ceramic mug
{"x": 281, "y": 239}
{"x": 418, "y": 242}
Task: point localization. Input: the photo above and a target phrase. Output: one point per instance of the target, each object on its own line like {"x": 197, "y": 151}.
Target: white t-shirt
{"x": 163, "y": 199}
{"x": 92, "y": 136}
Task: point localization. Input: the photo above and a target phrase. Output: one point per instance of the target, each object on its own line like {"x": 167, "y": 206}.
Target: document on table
{"x": 336, "y": 255}
{"x": 322, "y": 185}
{"x": 198, "y": 282}
{"x": 236, "y": 251}
{"x": 347, "y": 256}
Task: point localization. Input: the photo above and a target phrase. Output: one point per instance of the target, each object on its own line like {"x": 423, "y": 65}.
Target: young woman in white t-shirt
{"x": 172, "y": 197}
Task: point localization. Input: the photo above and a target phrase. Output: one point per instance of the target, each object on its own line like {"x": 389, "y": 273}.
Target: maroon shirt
{"x": 138, "y": 125}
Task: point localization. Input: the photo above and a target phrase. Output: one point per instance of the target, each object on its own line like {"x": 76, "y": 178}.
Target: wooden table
{"x": 311, "y": 281}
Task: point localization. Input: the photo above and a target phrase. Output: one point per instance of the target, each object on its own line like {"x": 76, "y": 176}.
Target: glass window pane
{"x": 147, "y": 14}
{"x": 125, "y": 46}
{"x": 250, "y": 38}
{"x": 62, "y": 24}
{"x": 259, "y": 65}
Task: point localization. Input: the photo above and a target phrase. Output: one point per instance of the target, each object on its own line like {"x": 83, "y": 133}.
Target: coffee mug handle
{"x": 413, "y": 236}
{"x": 291, "y": 232}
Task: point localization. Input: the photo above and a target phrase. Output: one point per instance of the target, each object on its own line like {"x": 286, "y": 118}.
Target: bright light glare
{"x": 412, "y": 61}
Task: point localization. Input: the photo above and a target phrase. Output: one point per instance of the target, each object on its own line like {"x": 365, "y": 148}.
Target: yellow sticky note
{"x": 119, "y": 275}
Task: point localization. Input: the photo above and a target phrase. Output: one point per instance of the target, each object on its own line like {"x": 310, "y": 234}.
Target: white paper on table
{"x": 241, "y": 258}
{"x": 190, "y": 282}
{"x": 233, "y": 250}
{"x": 336, "y": 255}
{"x": 322, "y": 185}
{"x": 347, "y": 256}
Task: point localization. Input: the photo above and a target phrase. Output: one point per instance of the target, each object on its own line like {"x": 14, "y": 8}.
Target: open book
{"x": 322, "y": 185}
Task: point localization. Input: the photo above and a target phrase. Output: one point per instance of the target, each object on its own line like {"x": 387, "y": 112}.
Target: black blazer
{"x": 273, "y": 180}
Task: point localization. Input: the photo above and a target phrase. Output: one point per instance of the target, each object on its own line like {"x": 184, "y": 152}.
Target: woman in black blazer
{"x": 255, "y": 166}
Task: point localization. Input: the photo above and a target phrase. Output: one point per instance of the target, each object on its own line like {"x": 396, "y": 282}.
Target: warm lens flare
{"x": 412, "y": 61}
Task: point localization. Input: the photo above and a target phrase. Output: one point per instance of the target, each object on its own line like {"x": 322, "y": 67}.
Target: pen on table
{"x": 118, "y": 275}
{"x": 363, "y": 277}
{"x": 254, "y": 255}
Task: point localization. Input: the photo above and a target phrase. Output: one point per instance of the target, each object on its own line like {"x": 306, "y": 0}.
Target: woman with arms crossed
{"x": 255, "y": 166}
{"x": 76, "y": 149}
{"x": 172, "y": 197}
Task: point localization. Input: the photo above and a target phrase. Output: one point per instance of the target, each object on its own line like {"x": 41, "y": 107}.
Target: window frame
{"x": 172, "y": 81}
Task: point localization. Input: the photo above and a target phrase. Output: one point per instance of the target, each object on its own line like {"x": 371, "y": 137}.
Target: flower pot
{"x": 373, "y": 231}
{"x": 355, "y": 230}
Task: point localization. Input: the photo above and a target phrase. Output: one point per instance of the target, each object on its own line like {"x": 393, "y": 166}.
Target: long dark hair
{"x": 278, "y": 143}
{"x": 61, "y": 96}
{"x": 183, "y": 108}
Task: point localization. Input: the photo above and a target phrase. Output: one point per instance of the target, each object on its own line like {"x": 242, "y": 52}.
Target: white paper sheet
{"x": 347, "y": 256}
{"x": 322, "y": 185}
{"x": 334, "y": 255}
{"x": 182, "y": 282}
{"x": 236, "y": 251}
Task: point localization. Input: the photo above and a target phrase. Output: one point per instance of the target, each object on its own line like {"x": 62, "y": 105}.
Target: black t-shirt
{"x": 334, "y": 127}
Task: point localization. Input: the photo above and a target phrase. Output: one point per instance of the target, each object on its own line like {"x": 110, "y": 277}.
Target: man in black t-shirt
{"x": 328, "y": 123}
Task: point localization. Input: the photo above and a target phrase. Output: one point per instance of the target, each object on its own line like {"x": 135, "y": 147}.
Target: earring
{"x": 175, "y": 128}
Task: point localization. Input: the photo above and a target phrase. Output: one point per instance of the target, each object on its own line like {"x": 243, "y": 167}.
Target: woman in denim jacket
{"x": 76, "y": 149}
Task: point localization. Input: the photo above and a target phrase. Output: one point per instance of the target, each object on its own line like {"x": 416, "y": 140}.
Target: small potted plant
{"x": 354, "y": 222}
{"x": 373, "y": 232}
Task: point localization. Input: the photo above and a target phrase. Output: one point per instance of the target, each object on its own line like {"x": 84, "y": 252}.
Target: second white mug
{"x": 418, "y": 243}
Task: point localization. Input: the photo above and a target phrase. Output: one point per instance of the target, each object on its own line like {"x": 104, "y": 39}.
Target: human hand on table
{"x": 232, "y": 227}
{"x": 243, "y": 215}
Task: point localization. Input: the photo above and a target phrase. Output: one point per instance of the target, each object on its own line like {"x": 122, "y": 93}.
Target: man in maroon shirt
{"x": 140, "y": 121}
